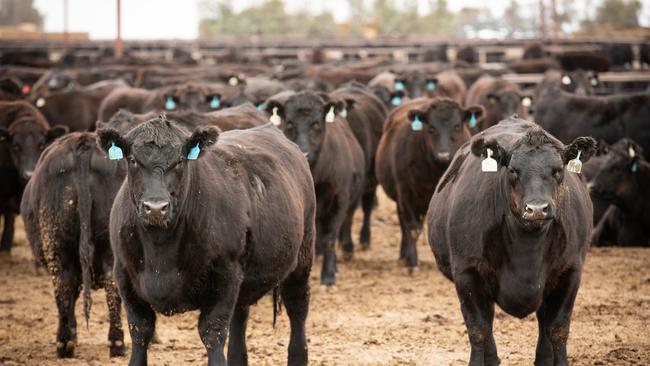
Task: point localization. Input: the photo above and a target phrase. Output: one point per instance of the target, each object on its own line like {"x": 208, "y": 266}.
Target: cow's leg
{"x": 214, "y": 319}
{"x": 478, "y": 312}
{"x": 345, "y": 237}
{"x": 237, "y": 353}
{"x": 66, "y": 276}
{"x": 554, "y": 319}
{"x": 7, "y": 231}
{"x": 115, "y": 332}
{"x": 411, "y": 227}
{"x": 141, "y": 318}
{"x": 368, "y": 203}
{"x": 295, "y": 295}
{"x": 328, "y": 229}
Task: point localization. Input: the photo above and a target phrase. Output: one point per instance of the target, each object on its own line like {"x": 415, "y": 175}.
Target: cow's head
{"x": 303, "y": 119}
{"x": 159, "y": 154}
{"x": 446, "y": 126}
{"x": 198, "y": 97}
{"x": 619, "y": 178}
{"x": 533, "y": 173}
{"x": 504, "y": 103}
{"x": 579, "y": 82}
{"x": 28, "y": 137}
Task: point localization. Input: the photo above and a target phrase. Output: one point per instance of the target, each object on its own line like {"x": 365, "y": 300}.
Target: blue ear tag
{"x": 396, "y": 100}
{"x": 472, "y": 121}
{"x": 431, "y": 85}
{"x": 416, "y": 124}
{"x": 260, "y": 106}
{"x": 170, "y": 105}
{"x": 194, "y": 152}
{"x": 635, "y": 166}
{"x": 399, "y": 85}
{"x": 215, "y": 102}
{"x": 115, "y": 153}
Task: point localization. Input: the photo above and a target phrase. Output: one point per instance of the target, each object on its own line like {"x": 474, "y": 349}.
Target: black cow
{"x": 517, "y": 237}
{"x": 336, "y": 161}
{"x": 501, "y": 99}
{"x": 65, "y": 208}
{"x": 610, "y": 118}
{"x": 211, "y": 225}
{"x": 577, "y": 82}
{"x": 622, "y": 180}
{"x": 419, "y": 140}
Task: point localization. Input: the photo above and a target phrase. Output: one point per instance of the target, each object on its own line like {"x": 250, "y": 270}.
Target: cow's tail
{"x": 84, "y": 207}
{"x": 277, "y": 304}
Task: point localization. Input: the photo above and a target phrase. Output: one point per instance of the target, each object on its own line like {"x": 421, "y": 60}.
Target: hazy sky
{"x": 169, "y": 19}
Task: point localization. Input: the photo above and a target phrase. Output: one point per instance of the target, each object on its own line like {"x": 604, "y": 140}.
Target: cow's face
{"x": 617, "y": 178}
{"x": 197, "y": 98}
{"x": 533, "y": 172}
{"x": 446, "y": 125}
{"x": 303, "y": 121}
{"x": 412, "y": 84}
{"x": 28, "y": 138}
{"x": 579, "y": 82}
{"x": 158, "y": 154}
{"x": 505, "y": 103}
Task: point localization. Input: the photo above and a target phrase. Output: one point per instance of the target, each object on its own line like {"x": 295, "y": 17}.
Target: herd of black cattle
{"x": 181, "y": 187}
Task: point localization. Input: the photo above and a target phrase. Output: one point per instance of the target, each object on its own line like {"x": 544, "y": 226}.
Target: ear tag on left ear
{"x": 260, "y": 107}
{"x": 40, "y": 102}
{"x": 635, "y": 166}
{"x": 115, "y": 152}
{"x": 194, "y": 152}
{"x": 344, "y": 113}
{"x": 575, "y": 165}
{"x": 396, "y": 100}
{"x": 526, "y": 102}
{"x": 215, "y": 102}
{"x": 170, "y": 105}
{"x": 631, "y": 152}
{"x": 399, "y": 85}
{"x": 489, "y": 164}
{"x": 233, "y": 81}
{"x": 416, "y": 124}
{"x": 472, "y": 120}
{"x": 431, "y": 85}
{"x": 329, "y": 118}
{"x": 594, "y": 82}
{"x": 275, "y": 119}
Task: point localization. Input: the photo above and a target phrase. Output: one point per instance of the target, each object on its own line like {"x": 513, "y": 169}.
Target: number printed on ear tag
{"x": 275, "y": 119}
{"x": 472, "y": 120}
{"x": 575, "y": 165}
{"x": 194, "y": 152}
{"x": 329, "y": 118}
{"x": 416, "y": 124}
{"x": 489, "y": 164}
{"x": 115, "y": 152}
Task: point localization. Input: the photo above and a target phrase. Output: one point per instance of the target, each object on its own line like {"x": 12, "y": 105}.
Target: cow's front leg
{"x": 214, "y": 320}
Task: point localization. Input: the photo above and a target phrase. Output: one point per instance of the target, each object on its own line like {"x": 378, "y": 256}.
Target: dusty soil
{"x": 377, "y": 315}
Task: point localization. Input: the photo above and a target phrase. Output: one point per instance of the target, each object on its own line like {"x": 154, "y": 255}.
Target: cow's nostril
{"x": 155, "y": 208}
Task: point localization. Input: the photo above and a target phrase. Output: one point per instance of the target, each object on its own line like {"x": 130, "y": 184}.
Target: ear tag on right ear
{"x": 416, "y": 124}
{"x": 635, "y": 166}
{"x": 575, "y": 165}
{"x": 170, "y": 105}
{"x": 396, "y": 100}
{"x": 489, "y": 164}
{"x": 329, "y": 118}
{"x": 215, "y": 102}
{"x": 344, "y": 113}
{"x": 566, "y": 80}
{"x": 233, "y": 81}
{"x": 275, "y": 119}
{"x": 115, "y": 152}
{"x": 399, "y": 85}
{"x": 194, "y": 152}
{"x": 431, "y": 85}
{"x": 472, "y": 120}
{"x": 260, "y": 107}
{"x": 40, "y": 102}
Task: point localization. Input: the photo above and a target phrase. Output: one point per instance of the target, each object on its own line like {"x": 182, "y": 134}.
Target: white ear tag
{"x": 344, "y": 113}
{"x": 329, "y": 118}
{"x": 631, "y": 152}
{"x": 489, "y": 164}
{"x": 526, "y": 102}
{"x": 233, "y": 81}
{"x": 275, "y": 119}
{"x": 566, "y": 80}
{"x": 40, "y": 102}
{"x": 575, "y": 165}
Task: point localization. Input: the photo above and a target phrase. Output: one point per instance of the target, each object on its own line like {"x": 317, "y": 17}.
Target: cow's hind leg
{"x": 554, "y": 318}
{"x": 295, "y": 295}
{"x": 66, "y": 276}
{"x": 237, "y": 353}
{"x": 115, "y": 332}
{"x": 411, "y": 227}
{"x": 7, "y": 231}
{"x": 345, "y": 236}
{"x": 368, "y": 203}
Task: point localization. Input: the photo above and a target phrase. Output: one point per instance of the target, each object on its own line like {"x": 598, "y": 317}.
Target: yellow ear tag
{"x": 233, "y": 81}
{"x": 275, "y": 119}
{"x": 575, "y": 165}
{"x": 40, "y": 102}
{"x": 489, "y": 164}
{"x": 329, "y": 118}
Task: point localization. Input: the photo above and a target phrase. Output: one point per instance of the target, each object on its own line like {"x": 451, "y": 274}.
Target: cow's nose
{"x": 444, "y": 156}
{"x": 536, "y": 211}
{"x": 156, "y": 208}
{"x": 28, "y": 174}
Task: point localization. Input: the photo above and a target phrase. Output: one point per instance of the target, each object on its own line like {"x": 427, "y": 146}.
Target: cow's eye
{"x": 457, "y": 127}
{"x": 288, "y": 125}
{"x": 132, "y": 161}
{"x": 41, "y": 146}
{"x": 315, "y": 126}
{"x": 558, "y": 174}
{"x": 513, "y": 174}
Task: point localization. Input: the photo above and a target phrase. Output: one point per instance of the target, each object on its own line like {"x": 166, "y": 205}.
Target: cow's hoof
{"x": 65, "y": 350}
{"x": 364, "y": 245}
{"x": 117, "y": 349}
{"x": 328, "y": 288}
{"x": 347, "y": 256}
{"x": 411, "y": 271}
{"x": 155, "y": 339}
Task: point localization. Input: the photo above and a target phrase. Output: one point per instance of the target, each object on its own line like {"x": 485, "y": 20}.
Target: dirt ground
{"x": 377, "y": 315}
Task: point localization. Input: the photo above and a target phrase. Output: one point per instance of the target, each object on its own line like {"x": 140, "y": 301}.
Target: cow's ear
{"x": 331, "y": 109}
{"x": 411, "y": 114}
{"x": 202, "y": 138}
{"x": 586, "y": 146}
{"x": 602, "y": 147}
{"x": 4, "y": 135}
{"x": 56, "y": 132}
{"x": 349, "y": 104}
{"x": 275, "y": 111}
{"x": 480, "y": 147}
{"x": 108, "y": 138}
{"x": 11, "y": 87}
{"x": 474, "y": 115}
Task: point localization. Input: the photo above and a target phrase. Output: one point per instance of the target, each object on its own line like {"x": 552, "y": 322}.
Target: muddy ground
{"x": 377, "y": 315}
